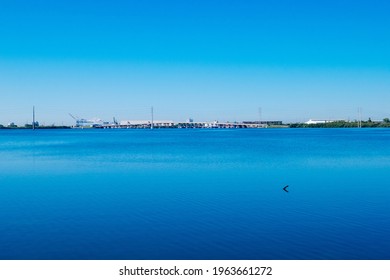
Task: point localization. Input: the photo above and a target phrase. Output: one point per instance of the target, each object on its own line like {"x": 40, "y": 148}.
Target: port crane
{"x": 86, "y": 123}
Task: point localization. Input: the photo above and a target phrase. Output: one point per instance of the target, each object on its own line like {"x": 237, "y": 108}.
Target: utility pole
{"x": 33, "y": 115}
{"x": 260, "y": 117}
{"x": 151, "y": 126}
{"x": 360, "y": 117}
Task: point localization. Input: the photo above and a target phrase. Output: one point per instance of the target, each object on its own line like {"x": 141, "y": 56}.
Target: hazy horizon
{"x": 208, "y": 60}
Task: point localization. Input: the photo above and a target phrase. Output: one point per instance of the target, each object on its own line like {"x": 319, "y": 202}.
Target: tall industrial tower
{"x": 33, "y": 117}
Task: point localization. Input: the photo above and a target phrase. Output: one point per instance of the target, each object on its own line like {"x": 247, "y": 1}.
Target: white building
{"x": 317, "y": 121}
{"x": 146, "y": 123}
{"x": 323, "y": 121}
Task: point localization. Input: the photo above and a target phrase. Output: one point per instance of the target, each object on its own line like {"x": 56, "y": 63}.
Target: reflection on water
{"x": 195, "y": 194}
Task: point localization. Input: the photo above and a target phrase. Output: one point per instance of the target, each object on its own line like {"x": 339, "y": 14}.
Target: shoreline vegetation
{"x": 331, "y": 124}
{"x": 345, "y": 124}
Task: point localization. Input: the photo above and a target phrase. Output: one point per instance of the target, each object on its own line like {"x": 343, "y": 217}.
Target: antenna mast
{"x": 360, "y": 117}
{"x": 260, "y": 116}
{"x": 33, "y": 115}
{"x": 151, "y": 126}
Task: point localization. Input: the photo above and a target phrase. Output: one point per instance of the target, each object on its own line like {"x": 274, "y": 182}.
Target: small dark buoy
{"x": 285, "y": 188}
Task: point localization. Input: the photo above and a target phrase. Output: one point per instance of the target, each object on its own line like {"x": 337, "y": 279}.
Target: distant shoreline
{"x": 385, "y": 123}
{"x": 41, "y": 127}
{"x": 292, "y": 126}
{"x": 147, "y": 124}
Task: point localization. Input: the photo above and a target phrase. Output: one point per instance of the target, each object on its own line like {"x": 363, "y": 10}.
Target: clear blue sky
{"x": 202, "y": 59}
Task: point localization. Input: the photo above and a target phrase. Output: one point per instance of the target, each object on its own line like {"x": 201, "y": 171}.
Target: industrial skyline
{"x": 81, "y": 121}
{"x": 207, "y": 60}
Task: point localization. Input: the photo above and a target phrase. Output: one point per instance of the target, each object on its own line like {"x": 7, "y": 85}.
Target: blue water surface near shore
{"x": 195, "y": 194}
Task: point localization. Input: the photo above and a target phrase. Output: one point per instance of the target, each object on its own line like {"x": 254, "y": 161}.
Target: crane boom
{"x": 72, "y": 116}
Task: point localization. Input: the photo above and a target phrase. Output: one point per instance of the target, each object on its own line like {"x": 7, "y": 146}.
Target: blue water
{"x": 195, "y": 194}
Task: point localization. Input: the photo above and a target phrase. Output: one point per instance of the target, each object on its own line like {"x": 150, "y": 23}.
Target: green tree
{"x": 12, "y": 125}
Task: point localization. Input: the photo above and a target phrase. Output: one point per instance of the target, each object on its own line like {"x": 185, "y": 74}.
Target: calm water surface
{"x": 195, "y": 194}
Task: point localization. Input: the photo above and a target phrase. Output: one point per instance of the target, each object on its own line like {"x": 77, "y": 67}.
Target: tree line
{"x": 343, "y": 124}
